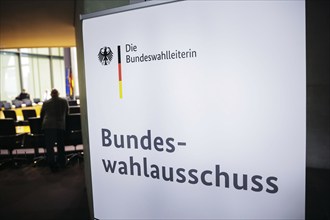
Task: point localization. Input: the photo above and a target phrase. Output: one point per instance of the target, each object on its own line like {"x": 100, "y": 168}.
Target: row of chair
{"x": 28, "y": 113}
{"x": 27, "y": 102}
{"x": 18, "y": 103}
{"x": 13, "y": 142}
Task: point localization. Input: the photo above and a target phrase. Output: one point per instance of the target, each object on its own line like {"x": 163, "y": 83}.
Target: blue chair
{"x": 36, "y": 100}
{"x": 27, "y": 102}
{"x": 17, "y": 103}
{"x": 7, "y": 105}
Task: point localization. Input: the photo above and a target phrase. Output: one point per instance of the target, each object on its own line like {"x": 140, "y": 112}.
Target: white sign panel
{"x": 196, "y": 110}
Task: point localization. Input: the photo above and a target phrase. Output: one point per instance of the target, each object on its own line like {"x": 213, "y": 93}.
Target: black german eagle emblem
{"x": 105, "y": 55}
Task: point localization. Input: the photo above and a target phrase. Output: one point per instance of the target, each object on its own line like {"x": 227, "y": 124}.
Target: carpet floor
{"x": 36, "y": 193}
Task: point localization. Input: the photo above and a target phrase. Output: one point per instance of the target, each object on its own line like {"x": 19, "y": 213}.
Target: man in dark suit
{"x": 23, "y": 95}
{"x": 53, "y": 114}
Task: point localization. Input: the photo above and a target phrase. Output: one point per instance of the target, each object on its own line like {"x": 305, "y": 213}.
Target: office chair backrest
{"x": 29, "y": 113}
{"x": 73, "y": 122}
{"x": 35, "y": 125}
{"x": 72, "y": 103}
{"x": 27, "y": 102}
{"x": 7, "y": 127}
{"x": 36, "y": 100}
{"x": 7, "y": 105}
{"x": 10, "y": 114}
{"x": 17, "y": 103}
{"x": 74, "y": 109}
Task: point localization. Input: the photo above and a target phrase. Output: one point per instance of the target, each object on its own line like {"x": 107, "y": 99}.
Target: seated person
{"x": 23, "y": 95}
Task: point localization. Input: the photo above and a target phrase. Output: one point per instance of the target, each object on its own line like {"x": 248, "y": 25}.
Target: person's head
{"x": 54, "y": 93}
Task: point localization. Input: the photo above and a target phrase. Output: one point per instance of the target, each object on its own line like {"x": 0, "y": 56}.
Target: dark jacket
{"x": 23, "y": 95}
{"x": 54, "y": 112}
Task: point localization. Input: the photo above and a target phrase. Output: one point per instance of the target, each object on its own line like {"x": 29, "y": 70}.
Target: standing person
{"x": 53, "y": 114}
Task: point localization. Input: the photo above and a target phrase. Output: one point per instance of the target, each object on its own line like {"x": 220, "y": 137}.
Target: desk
{"x": 23, "y": 129}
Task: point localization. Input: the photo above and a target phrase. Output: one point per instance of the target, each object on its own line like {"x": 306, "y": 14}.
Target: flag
{"x": 71, "y": 81}
{"x": 69, "y": 84}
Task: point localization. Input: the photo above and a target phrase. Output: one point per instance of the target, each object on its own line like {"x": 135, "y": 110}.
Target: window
{"x": 32, "y": 69}
{"x": 59, "y": 75}
{"x": 9, "y": 77}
